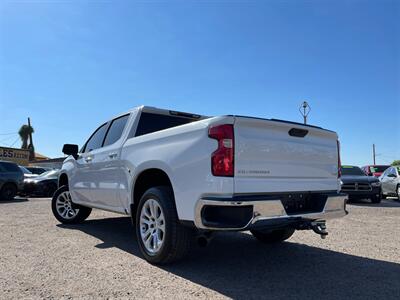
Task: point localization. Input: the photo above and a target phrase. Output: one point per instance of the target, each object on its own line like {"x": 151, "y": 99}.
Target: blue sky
{"x": 71, "y": 65}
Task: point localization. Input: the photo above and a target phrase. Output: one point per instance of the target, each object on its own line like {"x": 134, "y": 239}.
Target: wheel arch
{"x": 63, "y": 180}
{"x": 13, "y": 183}
{"x": 145, "y": 180}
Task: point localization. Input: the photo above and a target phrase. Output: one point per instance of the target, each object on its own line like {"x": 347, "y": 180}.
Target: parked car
{"x": 37, "y": 170}
{"x": 42, "y": 185}
{"x": 179, "y": 174}
{"x": 374, "y": 170}
{"x": 27, "y": 173}
{"x": 390, "y": 180}
{"x": 358, "y": 185}
{"x": 11, "y": 180}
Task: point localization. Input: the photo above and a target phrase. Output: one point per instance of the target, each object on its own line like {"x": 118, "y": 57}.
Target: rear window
{"x": 378, "y": 169}
{"x": 350, "y": 170}
{"x": 9, "y": 167}
{"x": 150, "y": 122}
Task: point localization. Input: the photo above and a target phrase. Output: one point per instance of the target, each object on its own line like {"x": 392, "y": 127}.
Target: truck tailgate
{"x": 273, "y": 156}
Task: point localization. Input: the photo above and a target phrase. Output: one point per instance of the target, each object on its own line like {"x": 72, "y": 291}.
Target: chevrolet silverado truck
{"x": 181, "y": 177}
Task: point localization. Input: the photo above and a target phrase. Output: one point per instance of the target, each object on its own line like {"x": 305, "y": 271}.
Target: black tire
{"x": 376, "y": 199}
{"x": 50, "y": 189}
{"x": 81, "y": 212}
{"x": 272, "y": 236}
{"x": 177, "y": 239}
{"x": 8, "y": 191}
{"x": 398, "y": 192}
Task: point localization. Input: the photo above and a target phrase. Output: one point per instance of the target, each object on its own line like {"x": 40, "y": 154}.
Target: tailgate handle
{"x": 298, "y": 132}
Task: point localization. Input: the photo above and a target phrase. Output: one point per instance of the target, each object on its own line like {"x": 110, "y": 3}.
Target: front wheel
{"x": 272, "y": 236}
{"x": 8, "y": 191}
{"x": 162, "y": 239}
{"x": 376, "y": 199}
{"x": 65, "y": 211}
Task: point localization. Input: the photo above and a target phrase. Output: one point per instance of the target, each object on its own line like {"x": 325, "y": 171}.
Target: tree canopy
{"x": 396, "y": 162}
{"x": 24, "y": 133}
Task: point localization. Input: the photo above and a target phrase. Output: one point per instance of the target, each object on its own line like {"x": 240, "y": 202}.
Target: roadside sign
{"x": 19, "y": 156}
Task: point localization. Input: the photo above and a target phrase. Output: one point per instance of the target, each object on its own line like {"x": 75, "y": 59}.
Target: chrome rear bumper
{"x": 270, "y": 210}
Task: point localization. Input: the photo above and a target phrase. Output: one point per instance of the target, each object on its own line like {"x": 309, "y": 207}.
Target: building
{"x": 54, "y": 163}
{"x": 21, "y": 157}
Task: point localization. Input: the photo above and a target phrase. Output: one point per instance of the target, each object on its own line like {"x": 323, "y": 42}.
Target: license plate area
{"x": 302, "y": 203}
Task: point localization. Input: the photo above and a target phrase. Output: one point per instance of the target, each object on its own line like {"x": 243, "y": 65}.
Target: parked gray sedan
{"x": 390, "y": 182}
{"x": 11, "y": 180}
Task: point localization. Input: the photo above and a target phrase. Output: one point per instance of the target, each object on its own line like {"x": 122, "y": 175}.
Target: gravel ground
{"x": 40, "y": 258}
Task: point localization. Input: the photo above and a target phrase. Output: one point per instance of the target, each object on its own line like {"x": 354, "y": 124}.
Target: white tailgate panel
{"x": 268, "y": 159}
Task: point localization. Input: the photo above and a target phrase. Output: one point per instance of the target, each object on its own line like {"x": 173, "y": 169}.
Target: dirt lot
{"x": 40, "y": 258}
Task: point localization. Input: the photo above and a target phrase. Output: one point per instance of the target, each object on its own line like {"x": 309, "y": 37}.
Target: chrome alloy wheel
{"x": 64, "y": 206}
{"x": 152, "y": 226}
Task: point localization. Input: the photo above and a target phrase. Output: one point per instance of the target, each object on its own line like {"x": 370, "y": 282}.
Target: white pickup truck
{"x": 182, "y": 176}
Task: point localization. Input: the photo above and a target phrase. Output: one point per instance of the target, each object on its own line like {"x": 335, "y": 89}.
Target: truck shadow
{"x": 391, "y": 202}
{"x": 239, "y": 267}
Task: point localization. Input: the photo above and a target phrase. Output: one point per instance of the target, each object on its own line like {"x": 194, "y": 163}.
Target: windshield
{"x": 378, "y": 169}
{"x": 25, "y": 170}
{"x": 351, "y": 170}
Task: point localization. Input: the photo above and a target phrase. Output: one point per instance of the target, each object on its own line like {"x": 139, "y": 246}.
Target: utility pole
{"x": 306, "y": 110}
{"x": 30, "y": 146}
{"x": 373, "y": 152}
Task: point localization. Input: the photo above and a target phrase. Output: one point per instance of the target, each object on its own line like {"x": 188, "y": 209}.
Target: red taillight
{"x": 222, "y": 158}
{"x": 339, "y": 173}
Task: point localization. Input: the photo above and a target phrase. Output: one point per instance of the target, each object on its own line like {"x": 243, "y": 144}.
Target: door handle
{"x": 113, "y": 155}
{"x": 88, "y": 159}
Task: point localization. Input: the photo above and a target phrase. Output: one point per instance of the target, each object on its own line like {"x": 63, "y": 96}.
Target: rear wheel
{"x": 65, "y": 211}
{"x": 398, "y": 192}
{"x": 8, "y": 191}
{"x": 272, "y": 236}
{"x": 162, "y": 239}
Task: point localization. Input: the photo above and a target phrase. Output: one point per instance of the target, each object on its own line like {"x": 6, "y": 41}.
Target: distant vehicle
{"x": 374, "y": 170}
{"x": 390, "y": 182}
{"x": 358, "y": 185}
{"x": 42, "y": 185}
{"x": 178, "y": 174}
{"x": 37, "y": 170}
{"x": 11, "y": 180}
{"x": 27, "y": 173}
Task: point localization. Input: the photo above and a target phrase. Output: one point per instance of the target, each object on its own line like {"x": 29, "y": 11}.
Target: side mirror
{"x": 391, "y": 175}
{"x": 71, "y": 149}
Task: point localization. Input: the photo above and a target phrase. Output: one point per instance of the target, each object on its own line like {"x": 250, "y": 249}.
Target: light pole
{"x": 304, "y": 110}
{"x": 373, "y": 153}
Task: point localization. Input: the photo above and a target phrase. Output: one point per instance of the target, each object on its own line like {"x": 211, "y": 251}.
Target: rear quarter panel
{"x": 184, "y": 154}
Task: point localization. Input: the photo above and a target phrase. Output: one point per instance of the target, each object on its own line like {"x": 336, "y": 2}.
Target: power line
{"x": 7, "y": 138}
{"x": 14, "y": 142}
{"x": 8, "y": 133}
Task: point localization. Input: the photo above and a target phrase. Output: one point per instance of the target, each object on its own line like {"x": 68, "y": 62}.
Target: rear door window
{"x": 150, "y": 122}
{"x": 116, "y": 129}
{"x": 8, "y": 167}
{"x": 97, "y": 138}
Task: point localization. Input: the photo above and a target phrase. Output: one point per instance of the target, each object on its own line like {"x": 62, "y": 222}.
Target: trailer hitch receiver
{"x": 319, "y": 227}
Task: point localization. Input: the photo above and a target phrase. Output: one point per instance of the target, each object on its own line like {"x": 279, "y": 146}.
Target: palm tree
{"x": 24, "y": 133}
